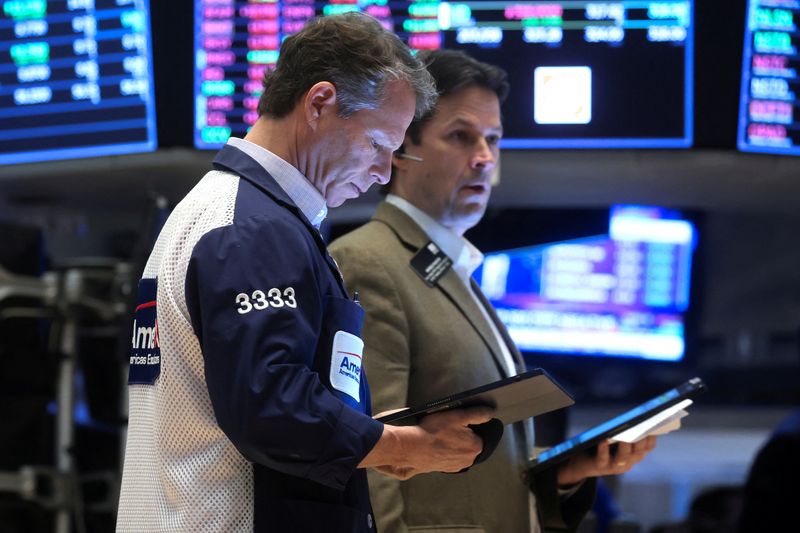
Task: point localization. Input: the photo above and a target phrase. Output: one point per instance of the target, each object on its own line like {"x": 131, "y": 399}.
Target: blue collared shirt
{"x": 307, "y": 198}
{"x": 465, "y": 256}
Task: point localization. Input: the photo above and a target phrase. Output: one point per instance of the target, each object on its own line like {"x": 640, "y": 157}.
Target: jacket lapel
{"x": 519, "y": 362}
{"x": 414, "y": 238}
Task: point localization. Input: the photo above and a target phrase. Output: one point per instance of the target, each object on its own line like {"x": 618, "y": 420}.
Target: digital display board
{"x": 583, "y": 74}
{"x": 75, "y": 79}
{"x": 768, "y": 105}
{"x": 621, "y": 294}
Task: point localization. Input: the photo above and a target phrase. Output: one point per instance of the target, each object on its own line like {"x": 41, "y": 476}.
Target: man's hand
{"x": 604, "y": 463}
{"x": 442, "y": 442}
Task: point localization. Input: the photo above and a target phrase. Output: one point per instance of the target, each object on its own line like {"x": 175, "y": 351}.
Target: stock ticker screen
{"x": 583, "y": 74}
{"x": 767, "y": 121}
{"x": 74, "y": 79}
{"x": 622, "y": 294}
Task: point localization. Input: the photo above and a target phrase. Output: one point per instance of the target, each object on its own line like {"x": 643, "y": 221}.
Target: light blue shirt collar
{"x": 307, "y": 198}
{"x": 466, "y": 258}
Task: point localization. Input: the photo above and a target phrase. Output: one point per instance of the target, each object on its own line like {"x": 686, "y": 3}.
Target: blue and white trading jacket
{"x": 248, "y": 407}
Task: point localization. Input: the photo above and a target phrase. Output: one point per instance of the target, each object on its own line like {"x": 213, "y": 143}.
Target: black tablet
{"x": 515, "y": 398}
{"x": 617, "y": 425}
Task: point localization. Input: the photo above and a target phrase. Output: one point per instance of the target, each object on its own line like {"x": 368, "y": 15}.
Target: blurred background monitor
{"x": 620, "y": 294}
{"x": 583, "y": 74}
{"x": 74, "y": 79}
{"x": 767, "y": 121}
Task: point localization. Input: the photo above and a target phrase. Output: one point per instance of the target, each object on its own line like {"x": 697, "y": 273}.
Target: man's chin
{"x": 474, "y": 207}
{"x": 340, "y": 197}
{"x": 469, "y": 215}
{"x": 335, "y": 202}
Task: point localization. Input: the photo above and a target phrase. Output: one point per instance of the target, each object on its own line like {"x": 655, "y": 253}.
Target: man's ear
{"x": 399, "y": 162}
{"x": 318, "y": 101}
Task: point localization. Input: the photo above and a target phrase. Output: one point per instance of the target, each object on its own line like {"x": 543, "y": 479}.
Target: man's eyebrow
{"x": 385, "y": 141}
{"x": 460, "y": 121}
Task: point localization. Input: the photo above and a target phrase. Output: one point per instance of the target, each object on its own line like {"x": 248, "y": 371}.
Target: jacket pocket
{"x": 302, "y": 516}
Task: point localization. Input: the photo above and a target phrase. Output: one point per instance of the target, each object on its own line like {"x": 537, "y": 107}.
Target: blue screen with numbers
{"x": 582, "y": 74}
{"x": 624, "y": 293}
{"x": 75, "y": 79}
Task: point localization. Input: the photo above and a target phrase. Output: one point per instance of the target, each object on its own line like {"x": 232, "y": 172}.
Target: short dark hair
{"x": 352, "y": 51}
{"x": 452, "y": 71}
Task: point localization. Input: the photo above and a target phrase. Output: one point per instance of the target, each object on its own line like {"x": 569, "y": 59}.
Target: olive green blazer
{"x": 422, "y": 343}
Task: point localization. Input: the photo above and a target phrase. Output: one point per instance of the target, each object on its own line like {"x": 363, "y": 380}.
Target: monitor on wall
{"x": 583, "y": 74}
{"x": 75, "y": 79}
{"x": 622, "y": 294}
{"x": 768, "y": 103}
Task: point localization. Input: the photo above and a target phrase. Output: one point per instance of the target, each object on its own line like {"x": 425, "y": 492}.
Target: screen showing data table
{"x": 75, "y": 79}
{"x": 622, "y": 294}
{"x": 583, "y": 74}
{"x": 767, "y": 121}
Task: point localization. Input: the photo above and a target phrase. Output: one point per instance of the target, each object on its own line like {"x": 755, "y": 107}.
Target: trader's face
{"x": 355, "y": 152}
{"x": 459, "y": 151}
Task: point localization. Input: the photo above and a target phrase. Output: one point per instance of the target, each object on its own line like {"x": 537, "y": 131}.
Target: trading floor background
{"x": 75, "y": 232}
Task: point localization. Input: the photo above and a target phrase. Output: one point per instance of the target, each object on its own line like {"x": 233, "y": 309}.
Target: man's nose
{"x": 484, "y": 155}
{"x": 382, "y": 170}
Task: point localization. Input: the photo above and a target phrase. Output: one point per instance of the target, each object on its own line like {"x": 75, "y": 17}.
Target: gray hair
{"x": 355, "y": 53}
